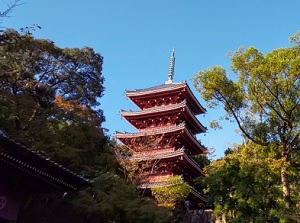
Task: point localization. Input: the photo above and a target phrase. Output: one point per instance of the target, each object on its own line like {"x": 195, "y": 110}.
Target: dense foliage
{"x": 245, "y": 185}
{"x": 49, "y": 98}
{"x": 264, "y": 102}
{"x": 137, "y": 171}
{"x": 50, "y": 102}
{"x": 174, "y": 191}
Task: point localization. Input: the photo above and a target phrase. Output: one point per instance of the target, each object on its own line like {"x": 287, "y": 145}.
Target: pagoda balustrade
{"x": 157, "y": 177}
{"x": 157, "y": 122}
{"x": 166, "y": 143}
{"x": 155, "y": 102}
{"x": 158, "y": 155}
{"x": 153, "y": 152}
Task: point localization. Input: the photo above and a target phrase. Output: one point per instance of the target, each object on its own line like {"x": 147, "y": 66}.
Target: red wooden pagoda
{"x": 167, "y": 111}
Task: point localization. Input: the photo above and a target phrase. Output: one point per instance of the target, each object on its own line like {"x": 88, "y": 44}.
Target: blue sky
{"x": 136, "y": 38}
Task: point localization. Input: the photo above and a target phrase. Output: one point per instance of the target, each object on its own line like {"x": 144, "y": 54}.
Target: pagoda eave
{"x": 197, "y": 107}
{"x": 141, "y": 119}
{"x": 180, "y": 155}
{"x": 197, "y": 197}
{"x": 165, "y": 90}
{"x": 180, "y": 130}
{"x": 165, "y": 144}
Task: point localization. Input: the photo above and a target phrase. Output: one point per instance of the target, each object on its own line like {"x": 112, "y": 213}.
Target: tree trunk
{"x": 285, "y": 187}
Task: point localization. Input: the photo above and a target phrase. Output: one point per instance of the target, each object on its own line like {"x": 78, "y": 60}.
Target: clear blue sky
{"x": 136, "y": 37}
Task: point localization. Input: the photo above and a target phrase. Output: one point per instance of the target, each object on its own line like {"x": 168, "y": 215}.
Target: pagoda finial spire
{"x": 171, "y": 68}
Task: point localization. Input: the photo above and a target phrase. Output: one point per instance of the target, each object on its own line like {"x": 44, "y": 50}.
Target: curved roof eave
{"x": 167, "y": 88}
{"x": 15, "y": 156}
{"x": 171, "y": 130}
{"x": 174, "y": 154}
{"x": 180, "y": 107}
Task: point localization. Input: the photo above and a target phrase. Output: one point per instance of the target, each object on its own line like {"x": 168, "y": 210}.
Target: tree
{"x": 174, "y": 191}
{"x": 264, "y": 101}
{"x": 245, "y": 185}
{"x": 135, "y": 169}
{"x": 114, "y": 200}
{"x": 35, "y": 74}
{"x": 5, "y": 13}
{"x": 50, "y": 102}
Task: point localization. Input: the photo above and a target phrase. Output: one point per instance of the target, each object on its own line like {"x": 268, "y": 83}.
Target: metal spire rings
{"x": 171, "y": 68}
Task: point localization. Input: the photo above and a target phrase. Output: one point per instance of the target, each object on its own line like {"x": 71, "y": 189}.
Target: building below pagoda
{"x": 165, "y": 143}
{"x": 24, "y": 173}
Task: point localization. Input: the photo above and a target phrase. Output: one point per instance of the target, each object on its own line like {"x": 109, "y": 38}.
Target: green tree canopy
{"x": 263, "y": 100}
{"x": 50, "y": 102}
{"x": 245, "y": 185}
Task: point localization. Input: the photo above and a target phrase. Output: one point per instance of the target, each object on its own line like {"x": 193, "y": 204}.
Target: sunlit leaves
{"x": 173, "y": 191}
{"x": 245, "y": 184}
{"x": 215, "y": 88}
{"x": 36, "y": 64}
{"x": 215, "y": 125}
{"x": 296, "y": 38}
{"x": 263, "y": 99}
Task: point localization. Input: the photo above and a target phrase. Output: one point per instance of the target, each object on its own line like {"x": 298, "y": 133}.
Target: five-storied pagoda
{"x": 167, "y": 111}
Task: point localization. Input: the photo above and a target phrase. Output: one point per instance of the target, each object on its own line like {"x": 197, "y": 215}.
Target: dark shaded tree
{"x": 50, "y": 102}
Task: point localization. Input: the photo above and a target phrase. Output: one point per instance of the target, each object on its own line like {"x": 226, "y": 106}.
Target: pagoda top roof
{"x": 165, "y": 89}
{"x": 158, "y": 87}
{"x": 168, "y": 88}
{"x": 34, "y": 172}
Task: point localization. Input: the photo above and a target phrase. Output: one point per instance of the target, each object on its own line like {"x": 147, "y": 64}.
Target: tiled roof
{"x": 198, "y": 108}
{"x": 171, "y": 129}
{"x": 152, "y": 132}
{"x": 199, "y": 195}
{"x": 159, "y": 87}
{"x": 174, "y": 154}
{"x": 177, "y": 153}
{"x": 154, "y": 110}
{"x": 31, "y": 166}
{"x": 171, "y": 154}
